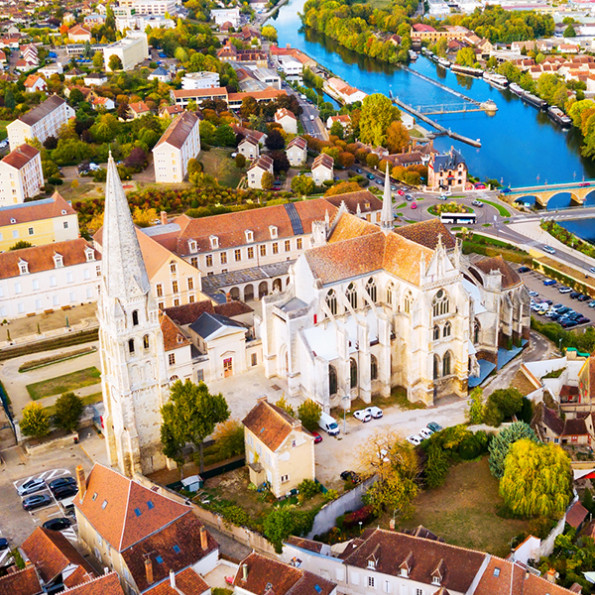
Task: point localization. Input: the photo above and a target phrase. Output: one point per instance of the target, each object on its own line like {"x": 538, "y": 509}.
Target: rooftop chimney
{"x": 80, "y": 481}
{"x": 551, "y": 575}
{"x": 228, "y": 297}
{"x": 172, "y": 579}
{"x": 204, "y": 540}
{"x": 149, "y": 570}
{"x": 245, "y": 572}
{"x": 163, "y": 217}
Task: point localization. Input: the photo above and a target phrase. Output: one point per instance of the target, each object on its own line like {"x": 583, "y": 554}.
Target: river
{"x": 520, "y": 145}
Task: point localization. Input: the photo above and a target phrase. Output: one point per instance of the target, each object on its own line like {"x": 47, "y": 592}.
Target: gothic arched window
{"x": 131, "y": 346}
{"x": 436, "y": 369}
{"x": 390, "y": 290}
{"x": 407, "y": 303}
{"x": 447, "y": 330}
{"x": 331, "y": 301}
{"x": 373, "y": 367}
{"x": 436, "y": 333}
{"x": 446, "y": 364}
{"x": 332, "y": 380}
{"x": 352, "y": 373}
{"x": 135, "y": 318}
{"x": 371, "y": 289}
{"x": 440, "y": 304}
{"x": 146, "y": 342}
{"x": 351, "y": 295}
{"x": 476, "y": 329}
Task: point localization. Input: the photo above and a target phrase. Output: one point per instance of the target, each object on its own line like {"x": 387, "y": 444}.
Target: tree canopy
{"x": 309, "y": 414}
{"x": 501, "y": 443}
{"x": 69, "y": 408}
{"x": 377, "y": 114}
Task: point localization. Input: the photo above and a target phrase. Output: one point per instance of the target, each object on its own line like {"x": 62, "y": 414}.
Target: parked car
{"x": 582, "y": 297}
{"x": 57, "y": 524}
{"x": 414, "y": 205}
{"x": 582, "y": 320}
{"x": 564, "y": 289}
{"x": 442, "y": 197}
{"x": 592, "y": 269}
{"x": 480, "y": 186}
{"x": 506, "y": 190}
{"x": 533, "y": 294}
{"x": 574, "y": 295}
{"x": 477, "y": 203}
{"x": 65, "y": 492}
{"x": 409, "y": 198}
{"x": 555, "y": 316}
{"x": 358, "y": 170}
{"x": 370, "y": 176}
{"x": 350, "y": 476}
{"x": 549, "y": 282}
{"x": 31, "y": 486}
{"x": 591, "y": 304}
{"x": 414, "y": 439}
{"x": 375, "y": 412}
{"x": 3, "y": 543}
{"x": 549, "y": 249}
{"x": 317, "y": 437}
{"x": 523, "y": 269}
{"x": 61, "y": 481}
{"x": 363, "y": 415}
{"x": 400, "y": 192}
{"x": 584, "y": 184}
{"x": 425, "y": 433}
{"x": 434, "y": 426}
{"x": 568, "y": 323}
{"x": 36, "y": 501}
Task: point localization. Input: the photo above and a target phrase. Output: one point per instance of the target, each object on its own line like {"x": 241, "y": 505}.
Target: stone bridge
{"x": 555, "y": 196}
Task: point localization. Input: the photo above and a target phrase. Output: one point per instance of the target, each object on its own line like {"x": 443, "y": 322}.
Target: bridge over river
{"x": 556, "y": 196}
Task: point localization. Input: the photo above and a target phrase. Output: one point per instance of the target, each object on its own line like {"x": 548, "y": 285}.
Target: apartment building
{"x": 132, "y": 50}
{"x": 179, "y": 143}
{"x": 21, "y": 175}
{"x": 41, "y": 122}
{"x": 156, "y": 7}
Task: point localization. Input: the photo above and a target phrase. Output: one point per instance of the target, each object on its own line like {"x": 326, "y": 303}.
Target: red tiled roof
{"x": 20, "y": 156}
{"x": 215, "y": 92}
{"x": 282, "y": 113}
{"x": 268, "y": 93}
{"x": 577, "y": 514}
{"x": 36, "y": 210}
{"x": 510, "y": 278}
{"x": 140, "y": 107}
{"x": 21, "y": 582}
{"x": 187, "y": 582}
{"x": 179, "y": 130}
{"x": 108, "y": 584}
{"x": 172, "y": 336}
{"x": 426, "y": 234}
{"x": 299, "y": 142}
{"x": 323, "y": 160}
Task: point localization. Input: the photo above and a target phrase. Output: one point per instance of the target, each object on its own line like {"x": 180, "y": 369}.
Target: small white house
{"x": 322, "y": 169}
{"x": 287, "y": 120}
{"x": 34, "y": 83}
{"x": 297, "y": 152}
{"x": 249, "y": 147}
{"x": 103, "y": 103}
{"x": 95, "y": 79}
{"x": 261, "y": 166}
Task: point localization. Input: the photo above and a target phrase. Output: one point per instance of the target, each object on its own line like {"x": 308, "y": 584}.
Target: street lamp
{"x": 348, "y": 397}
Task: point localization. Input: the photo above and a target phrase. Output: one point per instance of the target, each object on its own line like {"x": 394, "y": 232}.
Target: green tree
{"x": 377, "y": 113}
{"x": 114, "y": 63}
{"x": 207, "y": 132}
{"x": 35, "y": 421}
{"x": 9, "y": 100}
{"x": 466, "y": 57}
{"x": 240, "y": 161}
{"x": 192, "y": 414}
{"x": 69, "y": 408}
{"x": 337, "y": 129}
{"x": 502, "y": 404}
{"x": 309, "y": 414}
{"x": 303, "y": 185}
{"x": 282, "y": 403}
{"x": 279, "y": 525}
{"x": 225, "y": 136}
{"x": 98, "y": 61}
{"x": 501, "y": 443}
{"x": 269, "y": 32}
{"x": 476, "y": 406}
{"x": 537, "y": 480}
{"x": 172, "y": 446}
{"x": 570, "y": 31}
{"x": 267, "y": 180}
{"x": 20, "y": 245}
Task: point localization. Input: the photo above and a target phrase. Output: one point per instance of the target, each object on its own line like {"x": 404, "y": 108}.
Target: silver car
{"x": 31, "y": 486}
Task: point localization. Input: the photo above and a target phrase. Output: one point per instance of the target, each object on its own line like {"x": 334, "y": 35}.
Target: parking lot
{"x": 534, "y": 283}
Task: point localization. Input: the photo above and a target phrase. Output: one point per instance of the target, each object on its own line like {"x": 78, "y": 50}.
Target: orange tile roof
{"x": 140, "y": 107}
{"x": 173, "y": 338}
{"x": 21, "y": 582}
{"x": 21, "y": 156}
{"x": 32, "y": 79}
{"x": 109, "y": 505}
{"x": 187, "y": 582}
{"x": 323, "y": 160}
{"x": 46, "y": 208}
{"x": 282, "y": 113}
{"x": 41, "y": 258}
{"x": 426, "y": 233}
{"x": 215, "y": 92}
{"x": 51, "y": 553}
{"x": 179, "y": 130}
{"x": 268, "y": 93}
{"x": 108, "y": 584}
{"x": 348, "y": 228}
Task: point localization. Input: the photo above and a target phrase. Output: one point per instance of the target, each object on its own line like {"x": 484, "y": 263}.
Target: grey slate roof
{"x": 449, "y": 161}
{"x": 42, "y": 110}
{"x": 207, "y": 324}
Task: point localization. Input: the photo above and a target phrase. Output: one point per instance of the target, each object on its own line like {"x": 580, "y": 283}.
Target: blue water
{"x": 520, "y": 145}
{"x": 583, "y": 228}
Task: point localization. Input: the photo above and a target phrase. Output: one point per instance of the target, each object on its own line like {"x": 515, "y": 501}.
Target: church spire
{"x": 386, "y": 217}
{"x": 123, "y": 267}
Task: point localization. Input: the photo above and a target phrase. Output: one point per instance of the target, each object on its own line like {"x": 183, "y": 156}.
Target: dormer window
{"x": 192, "y": 246}
{"x": 274, "y": 231}
{"x": 214, "y": 242}
{"x": 23, "y": 267}
{"x": 249, "y": 235}
{"x": 63, "y": 211}
{"x": 436, "y": 580}
{"x": 58, "y": 260}
{"x": 13, "y": 220}
{"x": 89, "y": 254}
{"x": 371, "y": 564}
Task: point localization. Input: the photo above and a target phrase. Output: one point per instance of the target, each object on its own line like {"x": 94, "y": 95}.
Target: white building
{"x": 200, "y": 80}
{"x": 155, "y": 7}
{"x": 297, "y": 151}
{"x": 249, "y": 147}
{"x": 21, "y": 175}
{"x": 41, "y": 122}
{"x": 132, "y": 50}
{"x": 322, "y": 169}
{"x": 264, "y": 164}
{"x": 290, "y": 67}
{"x": 34, "y": 83}
{"x": 179, "y": 143}
{"x": 226, "y": 15}
{"x": 42, "y": 278}
{"x": 287, "y": 120}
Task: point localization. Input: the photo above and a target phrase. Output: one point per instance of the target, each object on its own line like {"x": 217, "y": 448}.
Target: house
{"x": 550, "y": 427}
{"x": 448, "y": 171}
{"x": 39, "y": 222}
{"x": 132, "y": 50}
{"x": 50, "y": 69}
{"x": 34, "y": 83}
{"x": 297, "y": 151}
{"x": 249, "y": 147}
{"x": 161, "y": 75}
{"x": 279, "y": 450}
{"x": 169, "y": 111}
{"x": 262, "y": 165}
{"x": 343, "y": 119}
{"x": 344, "y": 92}
{"x": 144, "y": 535}
{"x": 95, "y": 79}
{"x": 226, "y": 15}
{"x": 259, "y": 136}
{"x": 2, "y": 58}
{"x": 39, "y": 123}
{"x": 201, "y": 80}
{"x": 104, "y": 103}
{"x": 287, "y": 120}
{"x": 138, "y": 109}
{"x": 21, "y": 175}
{"x": 184, "y": 96}
{"x": 178, "y": 350}
{"x": 576, "y": 516}
{"x": 179, "y": 143}
{"x": 41, "y": 278}
{"x": 78, "y": 34}
{"x": 322, "y": 169}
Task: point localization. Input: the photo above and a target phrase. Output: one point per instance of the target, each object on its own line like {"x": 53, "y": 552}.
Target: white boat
{"x": 444, "y": 62}
{"x": 496, "y": 80}
{"x": 516, "y": 89}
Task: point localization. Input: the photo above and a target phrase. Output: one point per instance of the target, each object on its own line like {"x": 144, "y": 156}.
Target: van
{"x": 311, "y": 118}
{"x": 328, "y": 424}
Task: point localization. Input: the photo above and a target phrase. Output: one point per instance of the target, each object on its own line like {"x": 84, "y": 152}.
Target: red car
{"x": 413, "y": 205}
{"x": 400, "y": 192}
{"x": 480, "y": 186}
{"x": 317, "y": 437}
{"x": 584, "y": 184}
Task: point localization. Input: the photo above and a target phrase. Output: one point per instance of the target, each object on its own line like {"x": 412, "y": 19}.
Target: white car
{"x": 375, "y": 412}
{"x": 414, "y": 439}
{"x": 363, "y": 415}
{"x": 548, "y": 249}
{"x": 425, "y": 432}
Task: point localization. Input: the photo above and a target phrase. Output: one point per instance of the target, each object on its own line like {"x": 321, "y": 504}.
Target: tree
{"x": 9, "y": 100}
{"x": 282, "y": 403}
{"x": 476, "y": 406}
{"x": 207, "y": 132}
{"x": 395, "y": 465}
{"x": 337, "y": 129}
{"x": 278, "y": 525}
{"x": 570, "y": 31}
{"x": 501, "y": 443}
{"x": 98, "y": 61}
{"x": 144, "y": 217}
{"x": 280, "y": 161}
{"x": 537, "y": 480}
{"x": 35, "y": 421}
{"x": 397, "y": 137}
{"x": 372, "y": 160}
{"x": 502, "y": 404}
{"x": 376, "y": 115}
{"x": 225, "y": 136}
{"x": 240, "y": 161}
{"x": 114, "y": 63}
{"x": 137, "y": 159}
{"x": 466, "y": 57}
{"x": 229, "y": 437}
{"x": 309, "y": 414}
{"x": 69, "y": 408}
{"x": 267, "y": 180}
{"x": 343, "y": 188}
{"x": 303, "y": 185}
{"x": 20, "y": 245}
{"x": 192, "y": 414}
{"x": 269, "y": 32}
{"x": 274, "y": 140}
{"x": 172, "y": 446}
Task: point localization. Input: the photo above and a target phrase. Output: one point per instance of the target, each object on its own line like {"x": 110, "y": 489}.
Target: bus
{"x": 458, "y": 218}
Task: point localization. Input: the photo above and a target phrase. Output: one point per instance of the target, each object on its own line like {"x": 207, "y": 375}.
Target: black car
{"x": 583, "y": 298}
{"x": 57, "y": 524}
{"x": 574, "y": 295}
{"x": 351, "y": 476}
{"x": 3, "y": 543}
{"x": 523, "y": 269}
{"x": 61, "y": 482}
{"x": 36, "y": 501}
{"x": 65, "y": 492}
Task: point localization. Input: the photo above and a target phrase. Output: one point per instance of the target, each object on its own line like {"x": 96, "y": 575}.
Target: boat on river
{"x": 444, "y": 62}
{"x": 496, "y": 80}
{"x": 467, "y": 70}
{"x": 558, "y": 116}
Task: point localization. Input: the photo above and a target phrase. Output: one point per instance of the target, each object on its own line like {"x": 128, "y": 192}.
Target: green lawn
{"x": 503, "y": 212}
{"x": 3, "y": 125}
{"x": 464, "y": 510}
{"x": 218, "y": 163}
{"x": 88, "y": 400}
{"x": 64, "y": 384}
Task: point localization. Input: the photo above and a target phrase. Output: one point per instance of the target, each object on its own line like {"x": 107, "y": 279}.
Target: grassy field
{"x": 88, "y": 400}
{"x": 503, "y": 212}
{"x": 219, "y": 164}
{"x": 64, "y": 384}
{"x": 3, "y": 125}
{"x": 463, "y": 510}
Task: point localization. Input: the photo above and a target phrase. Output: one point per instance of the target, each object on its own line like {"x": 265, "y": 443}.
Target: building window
{"x": 351, "y": 295}
{"x": 331, "y": 301}
{"x": 135, "y": 318}
{"x": 299, "y": 243}
{"x": 174, "y": 286}
{"x": 436, "y": 367}
{"x": 209, "y": 260}
{"x": 476, "y": 329}
{"x": 194, "y": 261}
{"x": 23, "y": 267}
{"x": 419, "y": 592}
{"x": 373, "y": 367}
{"x": 440, "y": 304}
{"x": 389, "y": 294}
{"x": 131, "y": 346}
{"x": 332, "y": 380}
{"x": 407, "y": 304}
{"x": 436, "y": 333}
{"x": 352, "y": 373}
{"x": 171, "y": 358}
{"x": 146, "y": 342}
{"x": 65, "y": 224}
{"x": 250, "y": 252}
{"x": 447, "y": 330}
{"x": 371, "y": 582}
{"x": 223, "y": 257}
{"x": 238, "y": 255}
{"x": 159, "y": 289}
{"x": 371, "y": 289}
{"x": 263, "y": 249}
{"x": 176, "y": 302}
{"x": 284, "y": 478}
{"x": 31, "y": 232}
{"x": 275, "y": 248}
{"x": 446, "y": 364}
{"x": 191, "y": 299}
{"x": 190, "y": 283}
{"x": 287, "y": 245}
{"x": 254, "y": 359}
{"x": 172, "y": 268}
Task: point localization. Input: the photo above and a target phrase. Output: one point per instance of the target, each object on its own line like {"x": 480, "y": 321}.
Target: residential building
{"x": 268, "y": 77}
{"x": 344, "y": 92}
{"x": 132, "y": 50}
{"x": 322, "y": 169}
{"x": 45, "y": 278}
{"x": 21, "y": 176}
{"x": 138, "y": 109}
{"x": 447, "y": 171}
{"x": 170, "y": 111}
{"x": 291, "y": 67}
{"x": 95, "y": 79}
{"x": 155, "y": 7}
{"x": 277, "y": 52}
{"x": 201, "y": 80}
{"x": 104, "y": 103}
{"x": 287, "y": 120}
{"x": 79, "y": 34}
{"x": 551, "y": 427}
{"x": 160, "y": 74}
{"x": 34, "y": 83}
{"x": 249, "y": 147}
{"x": 178, "y": 351}
{"x": 179, "y": 143}
{"x": 343, "y": 119}
{"x": 50, "y": 69}
{"x": 262, "y": 165}
{"x": 226, "y": 15}
{"x": 279, "y": 451}
{"x": 39, "y": 222}
{"x": 184, "y": 96}
{"x": 256, "y": 572}
{"x": 234, "y": 100}
{"x": 297, "y": 151}
{"x": 144, "y": 535}
{"x": 39, "y": 123}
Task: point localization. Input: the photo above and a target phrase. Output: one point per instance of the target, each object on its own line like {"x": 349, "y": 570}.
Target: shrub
{"x": 69, "y": 408}
{"x": 309, "y": 488}
{"x": 361, "y": 515}
{"x": 437, "y": 466}
{"x": 35, "y": 421}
